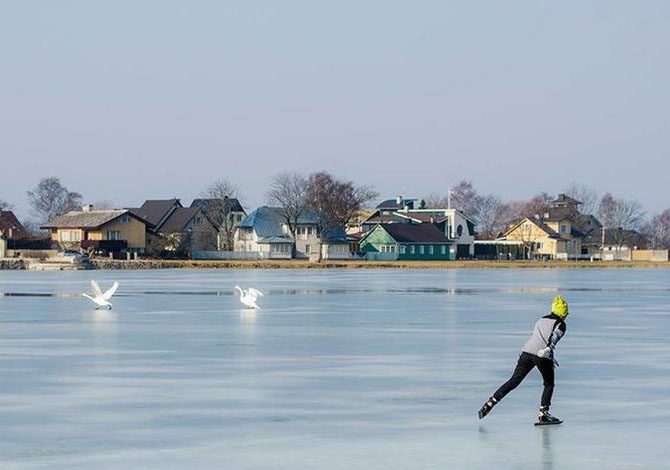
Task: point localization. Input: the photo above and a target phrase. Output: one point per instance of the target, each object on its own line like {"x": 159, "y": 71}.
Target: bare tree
{"x": 50, "y": 199}
{"x": 289, "y": 191}
{"x": 492, "y": 216}
{"x": 586, "y": 195}
{"x": 621, "y": 217}
{"x": 514, "y": 211}
{"x": 218, "y": 207}
{"x": 620, "y": 213}
{"x": 465, "y": 198}
{"x": 334, "y": 201}
{"x": 658, "y": 230}
{"x": 33, "y": 230}
{"x": 435, "y": 201}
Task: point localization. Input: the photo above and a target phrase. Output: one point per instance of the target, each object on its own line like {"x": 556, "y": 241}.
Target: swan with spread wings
{"x": 249, "y": 296}
{"x": 100, "y": 298}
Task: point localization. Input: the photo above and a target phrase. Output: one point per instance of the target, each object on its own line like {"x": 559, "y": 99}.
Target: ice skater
{"x": 537, "y": 352}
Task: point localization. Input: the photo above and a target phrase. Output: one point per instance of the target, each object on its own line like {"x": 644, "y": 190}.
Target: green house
{"x": 407, "y": 242}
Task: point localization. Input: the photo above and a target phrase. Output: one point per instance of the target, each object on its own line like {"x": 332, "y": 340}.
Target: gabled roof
{"x": 228, "y": 204}
{"x": 8, "y": 221}
{"x": 87, "y": 219}
{"x": 179, "y": 220}
{"x": 586, "y": 222}
{"x": 378, "y": 218}
{"x": 393, "y": 204}
{"x": 564, "y": 199}
{"x": 551, "y": 233}
{"x": 265, "y": 221}
{"x": 216, "y": 209}
{"x": 156, "y": 211}
{"x": 413, "y": 233}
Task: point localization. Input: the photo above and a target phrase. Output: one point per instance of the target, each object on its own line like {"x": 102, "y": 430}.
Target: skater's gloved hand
{"x": 544, "y": 352}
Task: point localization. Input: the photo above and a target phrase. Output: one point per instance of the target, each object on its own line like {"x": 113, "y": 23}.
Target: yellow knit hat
{"x": 559, "y": 307}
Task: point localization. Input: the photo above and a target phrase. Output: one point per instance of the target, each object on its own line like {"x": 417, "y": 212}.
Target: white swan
{"x": 248, "y": 297}
{"x": 100, "y": 298}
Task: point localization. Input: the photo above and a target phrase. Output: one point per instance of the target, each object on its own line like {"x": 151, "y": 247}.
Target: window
{"x": 403, "y": 249}
{"x": 443, "y": 250}
{"x": 421, "y": 248}
{"x": 113, "y": 235}
{"x": 70, "y": 236}
{"x": 430, "y": 249}
{"x": 392, "y": 248}
{"x": 308, "y": 248}
{"x": 124, "y": 219}
{"x": 564, "y": 228}
{"x": 459, "y": 230}
{"x": 411, "y": 249}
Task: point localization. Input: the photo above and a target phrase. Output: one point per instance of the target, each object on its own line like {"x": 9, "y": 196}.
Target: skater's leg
{"x": 523, "y": 367}
{"x": 546, "y": 367}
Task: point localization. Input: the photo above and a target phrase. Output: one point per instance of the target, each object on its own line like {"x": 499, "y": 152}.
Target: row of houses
{"x": 155, "y": 226}
{"x": 563, "y": 232}
{"x": 394, "y": 230}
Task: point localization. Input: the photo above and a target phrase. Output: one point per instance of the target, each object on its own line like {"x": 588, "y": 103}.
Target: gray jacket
{"x": 547, "y": 332}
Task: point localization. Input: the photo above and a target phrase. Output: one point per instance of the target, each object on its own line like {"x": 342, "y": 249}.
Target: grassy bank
{"x": 295, "y": 264}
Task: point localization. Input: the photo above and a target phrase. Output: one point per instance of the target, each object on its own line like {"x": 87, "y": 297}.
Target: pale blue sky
{"x": 128, "y": 100}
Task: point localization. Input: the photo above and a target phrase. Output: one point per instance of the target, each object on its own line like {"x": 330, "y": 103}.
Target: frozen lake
{"x": 340, "y": 370}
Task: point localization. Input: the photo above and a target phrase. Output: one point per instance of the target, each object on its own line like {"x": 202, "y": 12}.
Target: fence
{"x": 650, "y": 255}
{"x": 225, "y": 255}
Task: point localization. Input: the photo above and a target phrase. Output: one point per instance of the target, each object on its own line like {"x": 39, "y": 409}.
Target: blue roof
{"x": 267, "y": 221}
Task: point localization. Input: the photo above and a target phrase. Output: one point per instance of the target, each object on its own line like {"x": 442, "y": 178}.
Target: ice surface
{"x": 350, "y": 369}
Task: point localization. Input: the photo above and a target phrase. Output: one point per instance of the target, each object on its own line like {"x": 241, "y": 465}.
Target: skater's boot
{"x": 543, "y": 417}
{"x": 488, "y": 406}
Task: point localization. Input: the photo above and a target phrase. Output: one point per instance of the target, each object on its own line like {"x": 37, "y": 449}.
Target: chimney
{"x": 87, "y": 208}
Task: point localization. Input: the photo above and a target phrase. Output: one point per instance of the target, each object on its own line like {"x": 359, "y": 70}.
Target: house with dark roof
{"x": 396, "y": 204}
{"x": 265, "y": 231}
{"x": 10, "y": 227}
{"x": 156, "y": 211}
{"x": 558, "y": 233}
{"x": 117, "y": 230}
{"x": 613, "y": 243}
{"x": 457, "y": 227}
{"x": 423, "y": 241}
{"x": 225, "y": 214}
{"x": 187, "y": 229}
{"x": 563, "y": 232}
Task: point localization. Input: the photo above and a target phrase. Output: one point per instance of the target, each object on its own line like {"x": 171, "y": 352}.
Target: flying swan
{"x": 102, "y": 299}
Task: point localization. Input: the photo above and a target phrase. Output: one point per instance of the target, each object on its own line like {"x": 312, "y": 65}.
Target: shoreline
{"x": 298, "y": 264}
{"x": 107, "y": 264}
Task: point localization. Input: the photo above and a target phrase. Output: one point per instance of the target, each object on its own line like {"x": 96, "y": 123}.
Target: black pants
{"x": 523, "y": 367}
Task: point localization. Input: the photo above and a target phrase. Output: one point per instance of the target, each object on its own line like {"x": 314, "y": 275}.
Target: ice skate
{"x": 544, "y": 418}
{"x": 488, "y": 406}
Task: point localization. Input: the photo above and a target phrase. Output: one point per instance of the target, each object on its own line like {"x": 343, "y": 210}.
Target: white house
{"x": 265, "y": 231}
